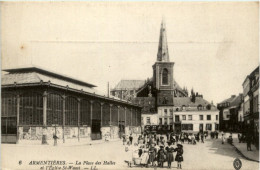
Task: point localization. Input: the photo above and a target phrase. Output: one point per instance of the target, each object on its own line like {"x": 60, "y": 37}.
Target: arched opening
{"x": 85, "y": 115}
{"x": 96, "y": 122}
{"x": 71, "y": 111}
{"x": 165, "y": 77}
{"x": 114, "y": 115}
{"x": 54, "y": 109}
{"x": 31, "y": 109}
{"x": 105, "y": 115}
{"x": 121, "y": 120}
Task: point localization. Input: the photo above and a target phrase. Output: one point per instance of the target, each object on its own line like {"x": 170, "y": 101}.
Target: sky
{"x": 214, "y": 45}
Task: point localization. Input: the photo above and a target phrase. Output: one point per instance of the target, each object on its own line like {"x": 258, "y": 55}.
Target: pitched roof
{"x": 233, "y": 100}
{"x": 129, "y": 84}
{"x": 236, "y": 101}
{"x": 31, "y": 76}
{"x": 47, "y": 72}
{"x": 180, "y": 101}
{"x": 37, "y": 78}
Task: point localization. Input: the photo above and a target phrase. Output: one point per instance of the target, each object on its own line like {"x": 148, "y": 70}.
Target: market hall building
{"x": 37, "y": 103}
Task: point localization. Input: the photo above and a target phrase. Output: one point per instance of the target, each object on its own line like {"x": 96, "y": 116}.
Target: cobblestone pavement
{"x": 210, "y": 155}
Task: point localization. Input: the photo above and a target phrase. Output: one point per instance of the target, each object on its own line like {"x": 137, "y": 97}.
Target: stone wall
{"x": 105, "y": 131}
{"x": 114, "y": 132}
{"x": 71, "y": 134}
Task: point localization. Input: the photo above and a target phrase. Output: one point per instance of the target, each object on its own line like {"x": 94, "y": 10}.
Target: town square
{"x": 123, "y": 85}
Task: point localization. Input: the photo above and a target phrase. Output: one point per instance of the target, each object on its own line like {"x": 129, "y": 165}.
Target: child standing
{"x": 179, "y": 157}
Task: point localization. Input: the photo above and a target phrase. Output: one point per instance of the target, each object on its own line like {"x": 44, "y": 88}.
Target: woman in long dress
{"x": 129, "y": 150}
{"x": 145, "y": 156}
{"x": 152, "y": 154}
{"x": 169, "y": 154}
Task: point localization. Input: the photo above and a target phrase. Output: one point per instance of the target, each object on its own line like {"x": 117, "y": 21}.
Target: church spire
{"x": 163, "y": 54}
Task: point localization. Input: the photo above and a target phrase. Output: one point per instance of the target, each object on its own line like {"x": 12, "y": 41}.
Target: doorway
{"x": 201, "y": 128}
{"x": 96, "y": 129}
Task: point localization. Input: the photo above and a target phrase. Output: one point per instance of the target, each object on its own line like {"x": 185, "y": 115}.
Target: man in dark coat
{"x": 202, "y": 138}
{"x": 248, "y": 142}
{"x": 161, "y": 156}
{"x": 131, "y": 139}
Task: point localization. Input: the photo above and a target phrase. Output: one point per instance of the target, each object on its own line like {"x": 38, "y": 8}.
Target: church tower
{"x": 163, "y": 71}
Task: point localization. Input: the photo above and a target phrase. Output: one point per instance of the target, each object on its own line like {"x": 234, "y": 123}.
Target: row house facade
{"x": 251, "y": 105}
{"x": 231, "y": 113}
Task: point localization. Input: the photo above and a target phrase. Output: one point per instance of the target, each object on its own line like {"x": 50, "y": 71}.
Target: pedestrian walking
{"x": 55, "y": 137}
{"x": 202, "y": 138}
{"x": 248, "y": 142}
{"x": 179, "y": 155}
{"x": 239, "y": 137}
{"x": 124, "y": 139}
{"x": 131, "y": 139}
{"x": 169, "y": 154}
{"x": 223, "y": 138}
{"x": 189, "y": 139}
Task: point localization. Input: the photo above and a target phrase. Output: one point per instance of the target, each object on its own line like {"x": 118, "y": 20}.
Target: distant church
{"x": 161, "y": 97}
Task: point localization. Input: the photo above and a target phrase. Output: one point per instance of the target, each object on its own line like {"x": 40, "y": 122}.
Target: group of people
{"x": 154, "y": 150}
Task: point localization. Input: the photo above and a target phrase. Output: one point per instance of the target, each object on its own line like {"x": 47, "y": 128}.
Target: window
{"x": 165, "y": 112}
{"x": 216, "y": 117}
{"x": 165, "y": 121}
{"x": 199, "y": 107}
{"x": 71, "y": 111}
{"x": 160, "y": 121}
{"x": 208, "y": 126}
{"x": 183, "y": 117}
{"x": 216, "y": 127}
{"x": 201, "y": 117}
{"x": 190, "y": 117}
{"x": 171, "y": 112}
{"x": 148, "y": 121}
{"x": 208, "y": 117}
{"x": 165, "y": 77}
{"x": 187, "y": 126}
{"x": 171, "y": 121}
{"x": 31, "y": 109}
{"x": 177, "y": 118}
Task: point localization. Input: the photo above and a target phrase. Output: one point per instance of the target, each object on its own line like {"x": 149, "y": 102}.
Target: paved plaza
{"x": 210, "y": 155}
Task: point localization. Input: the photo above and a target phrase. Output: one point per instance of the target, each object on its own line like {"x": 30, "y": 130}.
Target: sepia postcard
{"x": 129, "y": 85}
